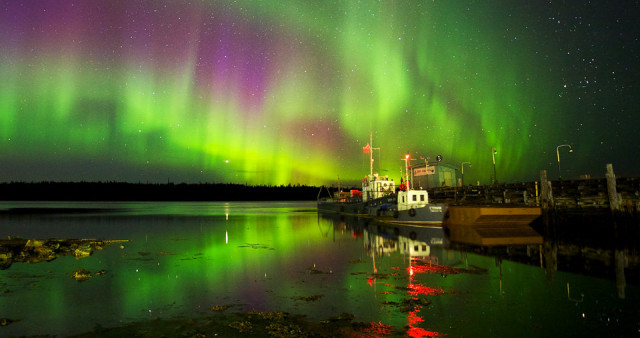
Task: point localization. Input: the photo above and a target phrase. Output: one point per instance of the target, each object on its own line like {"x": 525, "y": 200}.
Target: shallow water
{"x": 183, "y": 258}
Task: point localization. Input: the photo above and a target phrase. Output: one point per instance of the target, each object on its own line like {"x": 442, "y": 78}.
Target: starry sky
{"x": 287, "y": 92}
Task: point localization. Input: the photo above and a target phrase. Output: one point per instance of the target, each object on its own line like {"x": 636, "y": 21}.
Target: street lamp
{"x": 558, "y": 153}
{"x": 493, "y": 156}
{"x": 462, "y": 170}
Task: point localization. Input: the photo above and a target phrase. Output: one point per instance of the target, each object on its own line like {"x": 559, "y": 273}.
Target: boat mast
{"x": 371, "y": 154}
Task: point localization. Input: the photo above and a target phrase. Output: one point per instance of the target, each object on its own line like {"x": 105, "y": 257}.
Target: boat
{"x": 409, "y": 206}
{"x": 381, "y": 199}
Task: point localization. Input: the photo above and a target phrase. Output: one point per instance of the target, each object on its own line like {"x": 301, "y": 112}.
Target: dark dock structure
{"x": 619, "y": 197}
{"x": 589, "y": 225}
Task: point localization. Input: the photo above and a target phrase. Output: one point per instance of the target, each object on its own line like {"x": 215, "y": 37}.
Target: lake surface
{"x": 182, "y": 259}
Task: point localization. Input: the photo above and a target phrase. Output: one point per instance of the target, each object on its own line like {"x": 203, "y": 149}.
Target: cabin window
{"x": 424, "y": 247}
{"x": 402, "y": 199}
{"x": 415, "y": 248}
{"x": 415, "y": 198}
{"x": 421, "y": 198}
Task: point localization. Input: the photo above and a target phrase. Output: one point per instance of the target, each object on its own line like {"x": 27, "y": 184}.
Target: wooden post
{"x": 614, "y": 197}
{"x": 455, "y": 191}
{"x": 621, "y": 263}
{"x": 547, "y": 193}
{"x": 543, "y": 189}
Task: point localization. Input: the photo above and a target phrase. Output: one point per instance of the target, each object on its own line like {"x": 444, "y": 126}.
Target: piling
{"x": 547, "y": 192}
{"x": 614, "y": 197}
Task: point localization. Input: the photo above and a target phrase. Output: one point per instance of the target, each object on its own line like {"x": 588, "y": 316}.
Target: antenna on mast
{"x": 371, "y": 153}
{"x": 369, "y": 149}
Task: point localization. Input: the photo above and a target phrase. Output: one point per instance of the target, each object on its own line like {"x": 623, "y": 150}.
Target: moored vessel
{"x": 382, "y": 199}
{"x": 411, "y": 206}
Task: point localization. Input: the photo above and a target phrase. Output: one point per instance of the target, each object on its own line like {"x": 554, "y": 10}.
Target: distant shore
{"x": 122, "y": 191}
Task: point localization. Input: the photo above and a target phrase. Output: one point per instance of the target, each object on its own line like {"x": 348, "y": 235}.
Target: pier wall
{"x": 610, "y": 194}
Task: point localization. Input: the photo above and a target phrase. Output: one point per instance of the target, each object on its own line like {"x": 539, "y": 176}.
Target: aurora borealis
{"x": 286, "y": 92}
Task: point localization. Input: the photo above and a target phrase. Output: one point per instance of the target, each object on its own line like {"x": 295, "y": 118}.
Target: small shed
{"x": 437, "y": 175}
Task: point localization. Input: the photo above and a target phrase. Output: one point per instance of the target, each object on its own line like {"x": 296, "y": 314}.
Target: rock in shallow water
{"x": 81, "y": 275}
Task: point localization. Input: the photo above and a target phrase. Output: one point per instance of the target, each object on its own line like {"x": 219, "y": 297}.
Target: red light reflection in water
{"x": 417, "y": 289}
{"x": 416, "y": 266}
{"x": 414, "y": 319}
{"x": 417, "y": 331}
{"x": 376, "y": 330}
{"x": 419, "y": 266}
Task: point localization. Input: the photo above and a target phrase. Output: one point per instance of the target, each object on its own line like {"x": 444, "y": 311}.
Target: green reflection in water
{"x": 261, "y": 250}
{"x": 178, "y": 263}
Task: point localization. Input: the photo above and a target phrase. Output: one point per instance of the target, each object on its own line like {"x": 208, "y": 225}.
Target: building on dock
{"x": 427, "y": 176}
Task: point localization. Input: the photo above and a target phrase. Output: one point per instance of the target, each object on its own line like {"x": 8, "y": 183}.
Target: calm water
{"x": 184, "y": 258}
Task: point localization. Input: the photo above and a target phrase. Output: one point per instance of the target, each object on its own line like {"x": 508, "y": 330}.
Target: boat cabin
{"x": 376, "y": 186}
{"x": 341, "y": 196}
{"x": 412, "y": 199}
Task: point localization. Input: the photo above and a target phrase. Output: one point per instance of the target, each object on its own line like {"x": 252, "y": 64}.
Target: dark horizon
{"x": 124, "y": 191}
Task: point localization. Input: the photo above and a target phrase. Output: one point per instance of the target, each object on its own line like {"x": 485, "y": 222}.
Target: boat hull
{"x": 357, "y": 206}
{"x": 383, "y": 209}
{"x": 432, "y": 214}
{"x": 348, "y": 208}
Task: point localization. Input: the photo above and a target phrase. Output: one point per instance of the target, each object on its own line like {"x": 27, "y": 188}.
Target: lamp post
{"x": 406, "y": 170}
{"x": 558, "y": 153}
{"x": 407, "y": 164}
{"x": 493, "y": 156}
{"x": 462, "y": 170}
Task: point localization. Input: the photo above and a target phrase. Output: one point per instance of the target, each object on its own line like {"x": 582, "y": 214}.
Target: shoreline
{"x": 121, "y": 191}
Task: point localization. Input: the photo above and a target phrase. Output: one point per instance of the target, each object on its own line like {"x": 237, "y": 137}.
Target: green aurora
{"x": 264, "y": 92}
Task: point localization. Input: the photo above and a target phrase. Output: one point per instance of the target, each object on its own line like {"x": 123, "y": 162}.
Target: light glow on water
{"x": 284, "y": 257}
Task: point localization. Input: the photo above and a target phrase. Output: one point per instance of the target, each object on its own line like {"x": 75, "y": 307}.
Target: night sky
{"x": 280, "y": 92}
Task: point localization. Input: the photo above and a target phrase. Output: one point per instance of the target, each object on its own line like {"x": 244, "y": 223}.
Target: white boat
{"x": 380, "y": 199}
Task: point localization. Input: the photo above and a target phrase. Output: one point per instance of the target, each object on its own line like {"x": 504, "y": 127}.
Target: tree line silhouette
{"x": 122, "y": 191}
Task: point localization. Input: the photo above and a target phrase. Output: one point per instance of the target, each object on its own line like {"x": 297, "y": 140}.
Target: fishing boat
{"x": 410, "y": 206}
{"x": 380, "y": 198}
{"x": 377, "y": 191}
